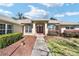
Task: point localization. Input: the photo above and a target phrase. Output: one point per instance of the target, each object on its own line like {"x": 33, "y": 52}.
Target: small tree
{"x": 53, "y": 18}
{"x": 20, "y": 16}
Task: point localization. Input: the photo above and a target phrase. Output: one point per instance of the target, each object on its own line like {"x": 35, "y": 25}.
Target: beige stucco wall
{"x": 62, "y": 28}
{"x": 17, "y": 28}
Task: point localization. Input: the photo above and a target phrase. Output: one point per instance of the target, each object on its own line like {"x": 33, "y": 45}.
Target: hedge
{"x": 53, "y": 32}
{"x": 71, "y": 33}
{"x": 8, "y": 39}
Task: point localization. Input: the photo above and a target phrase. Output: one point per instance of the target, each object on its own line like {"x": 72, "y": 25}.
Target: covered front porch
{"x": 36, "y": 27}
{"x": 39, "y": 27}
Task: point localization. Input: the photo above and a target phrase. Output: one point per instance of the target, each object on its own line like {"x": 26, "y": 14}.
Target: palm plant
{"x": 20, "y": 16}
{"x": 53, "y": 18}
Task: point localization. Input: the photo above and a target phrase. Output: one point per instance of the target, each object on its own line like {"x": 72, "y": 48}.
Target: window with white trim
{"x": 69, "y": 27}
{"x": 51, "y": 26}
{"x": 2, "y": 28}
{"x": 6, "y": 28}
{"x": 28, "y": 28}
{"x": 9, "y": 28}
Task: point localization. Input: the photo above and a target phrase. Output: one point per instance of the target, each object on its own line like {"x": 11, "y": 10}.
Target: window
{"x": 28, "y": 28}
{"x": 67, "y": 27}
{"x": 9, "y": 28}
{"x": 70, "y": 27}
{"x": 51, "y": 26}
{"x": 76, "y": 26}
{"x": 2, "y": 28}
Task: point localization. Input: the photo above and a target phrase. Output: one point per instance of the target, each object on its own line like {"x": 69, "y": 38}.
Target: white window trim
{"x": 9, "y": 29}
{"x": 54, "y": 27}
{"x": 6, "y": 28}
{"x": 28, "y": 29}
{"x": 3, "y": 29}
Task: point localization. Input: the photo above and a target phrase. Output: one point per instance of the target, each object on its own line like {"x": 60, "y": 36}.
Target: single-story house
{"x": 34, "y": 26}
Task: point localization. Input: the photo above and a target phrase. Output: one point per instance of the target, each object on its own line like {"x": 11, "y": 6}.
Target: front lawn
{"x": 60, "y": 46}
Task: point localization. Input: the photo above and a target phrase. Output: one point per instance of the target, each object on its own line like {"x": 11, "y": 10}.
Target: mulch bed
{"x": 21, "y": 48}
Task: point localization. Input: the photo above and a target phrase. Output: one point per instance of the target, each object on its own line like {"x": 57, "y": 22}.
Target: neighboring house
{"x": 33, "y": 27}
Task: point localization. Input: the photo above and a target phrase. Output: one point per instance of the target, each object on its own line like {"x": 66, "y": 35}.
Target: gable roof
{"x": 40, "y": 19}
{"x": 7, "y": 19}
{"x": 69, "y": 23}
{"x": 24, "y": 21}
{"x": 53, "y": 21}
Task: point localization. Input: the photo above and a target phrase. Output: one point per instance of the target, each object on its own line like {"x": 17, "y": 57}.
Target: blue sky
{"x": 62, "y": 11}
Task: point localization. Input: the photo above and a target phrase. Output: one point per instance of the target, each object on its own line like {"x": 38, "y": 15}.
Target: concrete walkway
{"x": 40, "y": 47}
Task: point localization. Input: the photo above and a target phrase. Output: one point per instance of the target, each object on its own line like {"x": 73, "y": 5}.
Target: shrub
{"x": 71, "y": 33}
{"x": 53, "y": 32}
{"x": 8, "y": 39}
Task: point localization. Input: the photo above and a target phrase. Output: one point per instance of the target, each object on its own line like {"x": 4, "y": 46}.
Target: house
{"x": 34, "y": 26}
{"x": 8, "y": 25}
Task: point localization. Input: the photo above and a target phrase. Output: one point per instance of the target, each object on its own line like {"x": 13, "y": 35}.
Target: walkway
{"x": 40, "y": 47}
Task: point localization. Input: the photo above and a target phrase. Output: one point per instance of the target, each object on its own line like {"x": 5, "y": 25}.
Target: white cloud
{"x": 52, "y": 4}
{"x": 71, "y": 13}
{"x": 6, "y": 4}
{"x": 67, "y": 4}
{"x": 66, "y": 14}
{"x": 59, "y": 15}
{"x": 35, "y": 12}
{"x": 8, "y": 13}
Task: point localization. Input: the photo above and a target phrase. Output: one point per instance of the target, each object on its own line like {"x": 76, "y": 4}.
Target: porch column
{"x": 34, "y": 29}
{"x": 46, "y": 29}
{"x": 24, "y": 30}
{"x": 5, "y": 28}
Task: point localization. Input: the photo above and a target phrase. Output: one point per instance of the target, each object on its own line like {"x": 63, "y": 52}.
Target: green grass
{"x": 63, "y": 47}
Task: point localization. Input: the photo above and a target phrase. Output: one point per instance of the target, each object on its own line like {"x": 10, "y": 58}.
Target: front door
{"x": 39, "y": 28}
